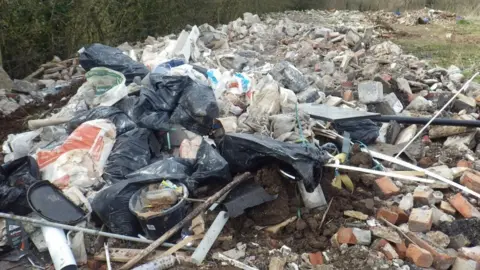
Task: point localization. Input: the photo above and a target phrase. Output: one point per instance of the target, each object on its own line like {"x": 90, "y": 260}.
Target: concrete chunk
{"x": 370, "y": 92}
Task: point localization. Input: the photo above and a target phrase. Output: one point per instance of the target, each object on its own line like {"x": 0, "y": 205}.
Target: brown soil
{"x": 17, "y": 121}
{"x": 302, "y": 236}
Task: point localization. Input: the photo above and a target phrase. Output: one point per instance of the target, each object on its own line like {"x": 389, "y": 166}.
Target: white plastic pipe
{"x": 389, "y": 174}
{"x": 418, "y": 169}
{"x": 60, "y": 252}
{"x": 212, "y": 234}
{"x": 427, "y": 172}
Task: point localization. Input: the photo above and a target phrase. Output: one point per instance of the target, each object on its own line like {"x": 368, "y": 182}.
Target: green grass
{"x": 462, "y": 50}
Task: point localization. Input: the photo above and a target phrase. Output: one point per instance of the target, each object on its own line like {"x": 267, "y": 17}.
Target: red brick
{"x": 390, "y": 252}
{"x": 442, "y": 259}
{"x": 402, "y": 215}
{"x": 463, "y": 206}
{"x": 401, "y": 250}
{"x": 386, "y": 187}
{"x": 420, "y": 220}
{"x": 390, "y": 216}
{"x": 346, "y": 236}
{"x": 419, "y": 256}
{"x": 426, "y": 140}
{"x": 471, "y": 180}
{"x": 378, "y": 244}
{"x": 465, "y": 163}
{"x": 316, "y": 258}
{"x": 348, "y": 95}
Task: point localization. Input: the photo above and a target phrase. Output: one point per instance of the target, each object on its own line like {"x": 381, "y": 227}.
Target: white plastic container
{"x": 58, "y": 248}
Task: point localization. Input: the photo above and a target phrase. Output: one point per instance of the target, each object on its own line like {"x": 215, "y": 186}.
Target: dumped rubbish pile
{"x": 299, "y": 140}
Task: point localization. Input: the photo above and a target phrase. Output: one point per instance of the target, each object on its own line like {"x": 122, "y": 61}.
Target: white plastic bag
{"x": 80, "y": 160}
{"x": 187, "y": 44}
{"x": 153, "y": 55}
{"x": 19, "y": 145}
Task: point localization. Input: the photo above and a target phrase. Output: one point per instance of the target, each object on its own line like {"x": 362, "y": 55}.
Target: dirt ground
{"x": 17, "y": 121}
{"x": 307, "y": 234}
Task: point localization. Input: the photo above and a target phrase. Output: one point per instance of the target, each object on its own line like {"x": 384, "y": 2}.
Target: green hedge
{"x": 33, "y": 31}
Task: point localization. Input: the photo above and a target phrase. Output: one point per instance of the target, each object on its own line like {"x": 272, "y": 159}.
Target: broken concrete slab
{"x": 370, "y": 92}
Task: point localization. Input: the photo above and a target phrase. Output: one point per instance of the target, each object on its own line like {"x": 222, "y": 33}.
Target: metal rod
{"x": 436, "y": 115}
{"x": 40, "y": 223}
{"x": 423, "y": 121}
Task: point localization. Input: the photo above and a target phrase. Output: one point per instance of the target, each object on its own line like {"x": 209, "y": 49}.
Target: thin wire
{"x": 436, "y": 115}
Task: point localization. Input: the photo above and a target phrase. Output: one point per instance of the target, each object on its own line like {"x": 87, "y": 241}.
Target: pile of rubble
{"x": 294, "y": 100}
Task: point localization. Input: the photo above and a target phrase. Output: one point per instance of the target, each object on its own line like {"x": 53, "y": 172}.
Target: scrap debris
{"x": 224, "y": 145}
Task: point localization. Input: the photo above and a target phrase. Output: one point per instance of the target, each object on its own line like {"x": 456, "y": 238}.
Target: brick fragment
{"x": 471, "y": 180}
{"x": 420, "y": 220}
{"x": 447, "y": 208}
{"x": 316, "y": 258}
{"x": 385, "y": 187}
{"x": 346, "y": 236}
{"x": 390, "y": 252}
{"x": 423, "y": 195}
{"x": 463, "y": 206}
{"x": 385, "y": 213}
{"x": 465, "y": 164}
{"x": 378, "y": 244}
{"x": 402, "y": 215}
{"x": 401, "y": 249}
{"x": 419, "y": 256}
{"x": 348, "y": 95}
{"x": 443, "y": 259}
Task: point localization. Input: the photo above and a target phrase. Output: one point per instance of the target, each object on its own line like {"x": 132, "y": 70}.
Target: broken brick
{"x": 390, "y": 252}
{"x": 419, "y": 256}
{"x": 463, "y": 206}
{"x": 348, "y": 95}
{"x": 471, "y": 180}
{"x": 316, "y": 258}
{"x": 443, "y": 260}
{"x": 385, "y": 187}
{"x": 420, "y": 220}
{"x": 465, "y": 163}
{"x": 346, "y": 236}
{"x": 423, "y": 195}
{"x": 378, "y": 244}
{"x": 447, "y": 208}
{"x": 401, "y": 249}
{"x": 402, "y": 215}
{"x": 390, "y": 216}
